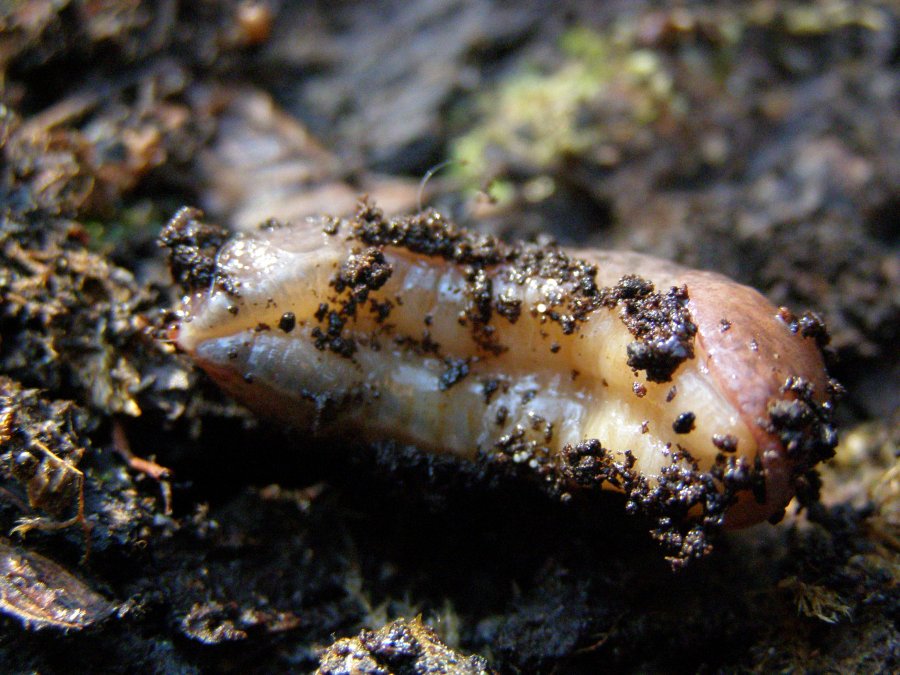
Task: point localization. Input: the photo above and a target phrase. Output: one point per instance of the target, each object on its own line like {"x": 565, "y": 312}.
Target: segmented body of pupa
{"x": 689, "y": 392}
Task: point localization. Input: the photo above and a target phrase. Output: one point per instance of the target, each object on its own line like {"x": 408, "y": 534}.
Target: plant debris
{"x": 42, "y": 594}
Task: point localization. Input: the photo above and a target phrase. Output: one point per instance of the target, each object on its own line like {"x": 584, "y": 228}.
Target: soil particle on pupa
{"x": 681, "y": 487}
{"x": 359, "y": 274}
{"x": 805, "y": 426}
{"x": 661, "y": 323}
{"x": 193, "y": 244}
{"x": 287, "y": 322}
{"x": 684, "y": 423}
{"x": 456, "y": 370}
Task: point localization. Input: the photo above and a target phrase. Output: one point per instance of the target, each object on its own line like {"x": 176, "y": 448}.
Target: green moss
{"x": 597, "y": 99}
{"x": 128, "y": 223}
{"x": 825, "y": 17}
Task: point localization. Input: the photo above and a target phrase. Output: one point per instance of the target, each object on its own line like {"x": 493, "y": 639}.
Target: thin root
{"x": 148, "y": 467}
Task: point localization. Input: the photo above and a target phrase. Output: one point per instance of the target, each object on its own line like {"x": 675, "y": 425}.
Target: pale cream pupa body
{"x": 689, "y": 392}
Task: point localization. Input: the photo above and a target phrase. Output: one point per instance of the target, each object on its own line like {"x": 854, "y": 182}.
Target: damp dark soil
{"x": 150, "y": 524}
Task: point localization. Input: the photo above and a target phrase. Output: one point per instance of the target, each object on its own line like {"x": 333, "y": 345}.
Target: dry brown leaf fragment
{"x": 214, "y": 622}
{"x": 41, "y": 444}
{"x": 42, "y": 594}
